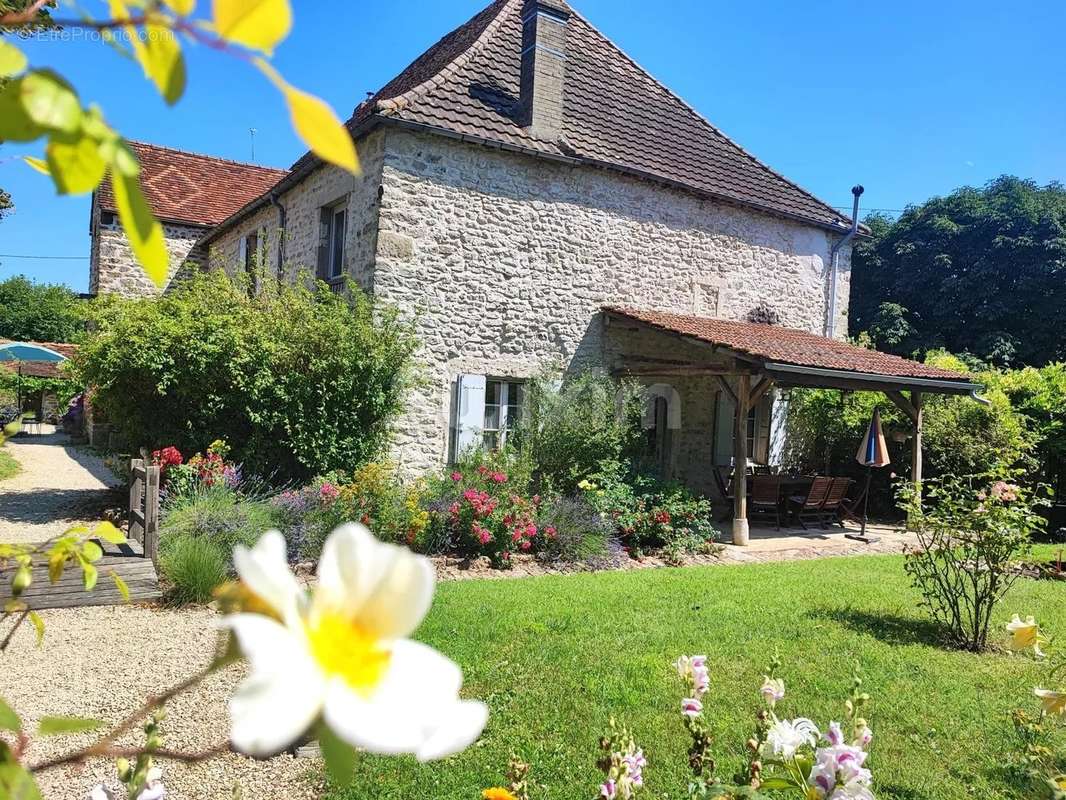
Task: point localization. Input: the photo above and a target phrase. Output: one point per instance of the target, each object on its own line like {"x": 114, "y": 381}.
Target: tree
{"x": 39, "y": 312}
{"x": 981, "y": 271}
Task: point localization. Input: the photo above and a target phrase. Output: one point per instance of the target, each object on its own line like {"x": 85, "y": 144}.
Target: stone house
{"x": 527, "y": 193}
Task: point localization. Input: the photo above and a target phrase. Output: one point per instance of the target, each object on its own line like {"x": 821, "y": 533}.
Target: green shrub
{"x": 648, "y": 512}
{"x": 9, "y": 467}
{"x": 219, "y": 515}
{"x": 566, "y": 430}
{"x": 971, "y": 530}
{"x": 299, "y": 381}
{"x": 576, "y": 533}
{"x": 371, "y": 495}
{"x": 194, "y": 566}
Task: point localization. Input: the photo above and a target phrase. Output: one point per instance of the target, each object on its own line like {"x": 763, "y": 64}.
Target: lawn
{"x": 556, "y": 657}
{"x": 9, "y": 467}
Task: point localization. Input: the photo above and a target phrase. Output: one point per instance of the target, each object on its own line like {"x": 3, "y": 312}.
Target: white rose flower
{"x": 342, "y": 654}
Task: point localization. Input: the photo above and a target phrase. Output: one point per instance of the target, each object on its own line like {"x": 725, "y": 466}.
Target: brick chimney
{"x": 544, "y": 24}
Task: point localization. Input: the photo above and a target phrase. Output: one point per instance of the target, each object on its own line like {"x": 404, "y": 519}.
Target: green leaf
{"x": 109, "y": 533}
{"x": 258, "y": 24}
{"x": 15, "y": 123}
{"x": 315, "y": 123}
{"x": 120, "y": 584}
{"x": 76, "y": 167}
{"x": 50, "y": 101}
{"x": 38, "y": 626}
{"x": 57, "y": 726}
{"x": 38, "y": 164}
{"x": 12, "y": 60}
{"x": 89, "y": 574}
{"x": 776, "y": 782}
{"x": 92, "y": 551}
{"x": 16, "y": 783}
{"x": 340, "y": 757}
{"x": 164, "y": 62}
{"x": 143, "y": 230}
{"x": 9, "y": 720}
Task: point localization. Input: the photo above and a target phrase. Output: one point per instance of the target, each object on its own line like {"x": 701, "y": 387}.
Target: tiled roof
{"x": 41, "y": 369}
{"x": 616, "y": 114}
{"x": 774, "y": 343}
{"x": 191, "y": 188}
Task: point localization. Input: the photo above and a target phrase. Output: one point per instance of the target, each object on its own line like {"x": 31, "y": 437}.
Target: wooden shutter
{"x": 469, "y": 412}
{"x": 242, "y": 253}
{"x": 763, "y": 421}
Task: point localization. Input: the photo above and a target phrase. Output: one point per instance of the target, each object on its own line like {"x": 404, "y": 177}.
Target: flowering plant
{"x": 201, "y": 471}
{"x": 649, "y": 512}
{"x": 1042, "y": 759}
{"x": 787, "y": 756}
{"x": 482, "y": 507}
{"x": 971, "y": 530}
{"x": 622, "y": 763}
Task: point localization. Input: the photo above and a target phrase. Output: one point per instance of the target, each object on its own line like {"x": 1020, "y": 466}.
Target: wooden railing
{"x": 144, "y": 507}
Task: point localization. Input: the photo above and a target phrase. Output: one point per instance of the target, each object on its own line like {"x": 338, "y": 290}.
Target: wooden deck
{"x": 127, "y": 560}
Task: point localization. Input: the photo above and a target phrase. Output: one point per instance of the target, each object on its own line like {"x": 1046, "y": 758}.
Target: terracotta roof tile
{"x": 194, "y": 189}
{"x": 616, "y": 114}
{"x": 787, "y": 345}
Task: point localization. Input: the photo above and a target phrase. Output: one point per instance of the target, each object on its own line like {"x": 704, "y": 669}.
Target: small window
{"x": 251, "y": 252}
{"x": 658, "y": 435}
{"x": 503, "y": 406}
{"x": 338, "y": 219}
{"x": 752, "y": 432}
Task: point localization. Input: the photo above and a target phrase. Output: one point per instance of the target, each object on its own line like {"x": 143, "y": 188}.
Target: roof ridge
{"x": 688, "y": 107}
{"x": 390, "y": 105}
{"x": 154, "y": 146}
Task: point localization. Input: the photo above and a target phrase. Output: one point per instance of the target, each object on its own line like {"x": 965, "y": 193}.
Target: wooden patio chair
{"x": 832, "y": 508}
{"x": 725, "y": 489}
{"x": 809, "y": 507}
{"x": 766, "y": 497}
{"x": 763, "y": 469}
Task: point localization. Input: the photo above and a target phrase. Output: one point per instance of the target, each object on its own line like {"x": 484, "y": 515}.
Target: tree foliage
{"x": 299, "y": 381}
{"x": 40, "y": 312}
{"x": 981, "y": 271}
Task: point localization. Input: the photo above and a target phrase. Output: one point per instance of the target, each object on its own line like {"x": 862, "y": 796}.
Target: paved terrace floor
{"x": 793, "y": 543}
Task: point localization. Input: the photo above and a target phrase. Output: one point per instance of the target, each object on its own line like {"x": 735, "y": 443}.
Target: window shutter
{"x": 242, "y": 253}
{"x": 723, "y": 429}
{"x": 324, "y": 217}
{"x": 763, "y": 423}
{"x": 778, "y": 428}
{"x": 469, "y": 412}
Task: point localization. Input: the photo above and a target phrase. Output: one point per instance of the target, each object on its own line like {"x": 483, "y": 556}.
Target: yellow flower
{"x": 1053, "y": 702}
{"x": 1024, "y": 635}
{"x": 498, "y": 793}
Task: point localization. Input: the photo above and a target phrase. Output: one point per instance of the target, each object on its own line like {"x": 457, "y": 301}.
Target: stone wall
{"x": 113, "y": 268}
{"x": 303, "y": 203}
{"x": 504, "y": 261}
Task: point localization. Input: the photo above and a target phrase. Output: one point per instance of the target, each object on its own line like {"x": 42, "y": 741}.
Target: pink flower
{"x": 531, "y": 530}
{"x": 457, "y": 476}
{"x": 470, "y": 495}
{"x": 453, "y": 509}
{"x": 550, "y": 531}
{"x": 608, "y": 790}
{"x": 1004, "y": 491}
{"x": 499, "y": 477}
{"x": 691, "y": 707}
{"x": 484, "y": 536}
{"x": 526, "y": 544}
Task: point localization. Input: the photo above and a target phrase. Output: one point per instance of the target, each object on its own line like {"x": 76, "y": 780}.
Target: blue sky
{"x": 912, "y": 99}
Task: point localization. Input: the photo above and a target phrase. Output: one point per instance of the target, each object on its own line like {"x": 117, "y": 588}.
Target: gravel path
{"x": 102, "y": 663}
{"x": 59, "y": 485}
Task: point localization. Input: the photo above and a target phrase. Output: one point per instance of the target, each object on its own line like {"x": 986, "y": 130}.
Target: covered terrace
{"x": 748, "y": 359}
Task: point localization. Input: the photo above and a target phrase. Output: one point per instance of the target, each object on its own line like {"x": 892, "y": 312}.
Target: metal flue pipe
{"x": 834, "y": 262}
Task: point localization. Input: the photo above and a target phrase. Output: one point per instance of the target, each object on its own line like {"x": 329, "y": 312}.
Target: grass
{"x": 9, "y": 467}
{"x": 555, "y": 657}
{"x": 194, "y": 566}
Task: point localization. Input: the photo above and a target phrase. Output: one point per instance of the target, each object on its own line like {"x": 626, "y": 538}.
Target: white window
{"x": 485, "y": 410}
{"x": 503, "y": 404}
{"x": 336, "y": 226}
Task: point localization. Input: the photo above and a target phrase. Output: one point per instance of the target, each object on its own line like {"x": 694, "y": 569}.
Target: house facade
{"x": 521, "y": 181}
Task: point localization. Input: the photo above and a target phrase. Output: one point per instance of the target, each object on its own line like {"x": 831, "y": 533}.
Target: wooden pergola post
{"x": 740, "y": 461}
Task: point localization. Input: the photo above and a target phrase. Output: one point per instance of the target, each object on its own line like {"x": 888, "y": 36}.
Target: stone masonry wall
{"x": 113, "y": 268}
{"x": 323, "y": 187}
{"x": 504, "y": 261}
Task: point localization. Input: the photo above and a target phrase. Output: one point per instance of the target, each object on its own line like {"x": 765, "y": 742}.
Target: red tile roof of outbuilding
{"x": 773, "y": 343}
{"x": 191, "y": 188}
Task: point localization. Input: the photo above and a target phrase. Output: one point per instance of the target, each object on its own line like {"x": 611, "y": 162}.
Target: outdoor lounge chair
{"x": 766, "y": 497}
{"x": 809, "y": 507}
{"x": 832, "y": 507}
